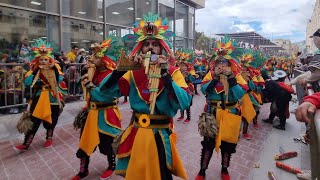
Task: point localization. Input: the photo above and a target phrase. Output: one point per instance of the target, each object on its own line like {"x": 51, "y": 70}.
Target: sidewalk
{"x": 60, "y": 162}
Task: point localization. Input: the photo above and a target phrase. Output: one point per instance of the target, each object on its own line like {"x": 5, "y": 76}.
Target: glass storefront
{"x": 43, "y": 5}
{"x": 23, "y": 27}
{"x": 83, "y": 9}
{"x": 84, "y": 22}
{"x": 120, "y": 12}
{"x": 80, "y": 33}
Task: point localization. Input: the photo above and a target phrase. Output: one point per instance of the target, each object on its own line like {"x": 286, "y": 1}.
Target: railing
{"x": 14, "y": 94}
{"x": 12, "y": 91}
{"x": 315, "y": 141}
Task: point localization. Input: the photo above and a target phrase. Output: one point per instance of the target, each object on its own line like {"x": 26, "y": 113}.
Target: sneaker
{"x": 256, "y": 126}
{"x": 180, "y": 118}
{"x": 48, "y": 143}
{"x": 225, "y": 176}
{"x": 186, "y": 121}
{"x": 107, "y": 174}
{"x": 200, "y": 177}
{"x": 247, "y": 136}
{"x": 280, "y": 127}
{"x": 80, "y": 176}
{"x": 21, "y": 148}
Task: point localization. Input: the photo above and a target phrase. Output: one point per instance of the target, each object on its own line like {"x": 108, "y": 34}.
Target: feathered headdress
{"x": 39, "y": 49}
{"x": 108, "y": 51}
{"x": 227, "y": 49}
{"x": 151, "y": 27}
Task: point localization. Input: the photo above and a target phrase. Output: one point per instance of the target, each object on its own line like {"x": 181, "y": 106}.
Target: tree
{"x": 203, "y": 42}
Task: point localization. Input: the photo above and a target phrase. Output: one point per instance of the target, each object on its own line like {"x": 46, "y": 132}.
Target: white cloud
{"x": 275, "y": 18}
{"x": 242, "y": 28}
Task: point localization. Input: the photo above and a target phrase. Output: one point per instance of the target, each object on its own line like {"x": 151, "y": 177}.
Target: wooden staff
{"x": 224, "y": 80}
{"x": 50, "y": 75}
{"x": 90, "y": 74}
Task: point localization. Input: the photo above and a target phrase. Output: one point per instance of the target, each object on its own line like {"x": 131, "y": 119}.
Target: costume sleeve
{"x": 236, "y": 89}
{"x": 251, "y": 85}
{"x": 30, "y": 76}
{"x": 314, "y": 99}
{"x": 106, "y": 92}
{"x": 180, "y": 88}
{"x": 314, "y": 76}
{"x": 301, "y": 76}
{"x": 206, "y": 82}
{"x": 124, "y": 83}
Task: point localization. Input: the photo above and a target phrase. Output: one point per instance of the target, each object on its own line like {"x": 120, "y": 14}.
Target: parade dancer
{"x": 46, "y": 81}
{"x": 189, "y": 74}
{"x": 220, "y": 123}
{"x": 251, "y": 63}
{"x": 200, "y": 70}
{"x": 279, "y": 94}
{"x": 147, "y": 148}
{"x": 247, "y": 108}
{"x": 103, "y": 120}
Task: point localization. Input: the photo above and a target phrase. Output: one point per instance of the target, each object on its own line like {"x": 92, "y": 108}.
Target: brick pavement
{"x": 60, "y": 162}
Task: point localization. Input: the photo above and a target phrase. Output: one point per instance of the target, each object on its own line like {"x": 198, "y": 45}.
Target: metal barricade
{"x": 315, "y": 141}
{"x": 14, "y": 94}
{"x": 72, "y": 76}
{"x": 12, "y": 90}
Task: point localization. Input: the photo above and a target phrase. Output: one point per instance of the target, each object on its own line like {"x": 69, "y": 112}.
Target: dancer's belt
{"x": 101, "y": 105}
{"x": 218, "y": 104}
{"x": 151, "y": 121}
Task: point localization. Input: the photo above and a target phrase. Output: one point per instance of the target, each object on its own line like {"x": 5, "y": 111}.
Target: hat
{"x": 274, "y": 78}
{"x": 317, "y": 33}
{"x": 80, "y": 51}
{"x": 279, "y": 74}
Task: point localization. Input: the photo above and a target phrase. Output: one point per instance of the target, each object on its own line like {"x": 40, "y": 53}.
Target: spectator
{"x": 58, "y": 56}
{"x": 23, "y": 53}
{"x": 72, "y": 54}
{"x": 72, "y": 77}
{"x": 81, "y": 56}
{"x": 307, "y": 109}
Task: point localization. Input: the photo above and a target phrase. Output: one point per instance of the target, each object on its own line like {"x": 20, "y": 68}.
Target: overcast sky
{"x": 271, "y": 18}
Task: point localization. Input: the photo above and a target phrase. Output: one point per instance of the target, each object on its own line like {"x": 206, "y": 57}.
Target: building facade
{"x": 286, "y": 45}
{"x": 82, "y": 22}
{"x": 312, "y": 26}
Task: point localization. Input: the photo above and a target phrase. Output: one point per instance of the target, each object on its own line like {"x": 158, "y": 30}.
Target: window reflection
{"x": 181, "y": 42}
{"x": 145, "y": 6}
{"x": 43, "y": 5}
{"x": 88, "y": 9}
{"x": 181, "y": 20}
{"x": 23, "y": 27}
{"x": 80, "y": 33}
{"x": 120, "y": 12}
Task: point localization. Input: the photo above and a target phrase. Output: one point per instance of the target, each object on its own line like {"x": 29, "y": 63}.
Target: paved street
{"x": 60, "y": 162}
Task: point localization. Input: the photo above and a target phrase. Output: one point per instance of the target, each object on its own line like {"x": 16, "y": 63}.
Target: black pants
{"x": 105, "y": 147}
{"x": 208, "y": 145}
{"x": 55, "y": 112}
{"x": 280, "y": 112}
{"x": 164, "y": 171}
